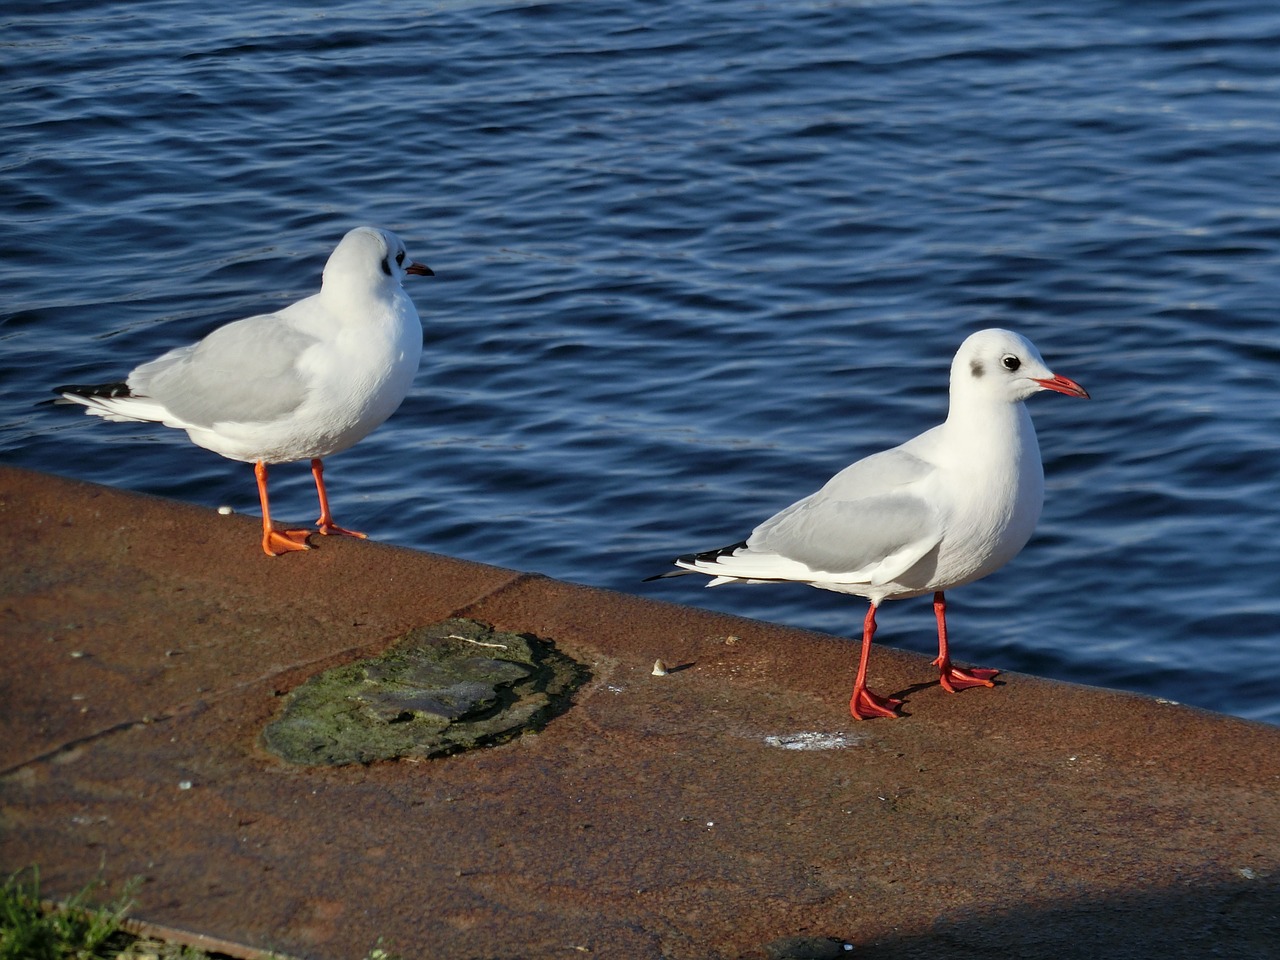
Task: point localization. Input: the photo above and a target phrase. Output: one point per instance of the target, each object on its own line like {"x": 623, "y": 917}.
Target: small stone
{"x": 659, "y": 668}
{"x": 226, "y": 511}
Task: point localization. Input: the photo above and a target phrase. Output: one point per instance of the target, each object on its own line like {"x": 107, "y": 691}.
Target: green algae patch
{"x": 442, "y": 689}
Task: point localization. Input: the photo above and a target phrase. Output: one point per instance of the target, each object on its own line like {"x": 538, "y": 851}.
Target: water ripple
{"x": 690, "y": 261}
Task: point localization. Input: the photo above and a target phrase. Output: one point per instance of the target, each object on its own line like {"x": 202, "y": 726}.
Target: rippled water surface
{"x": 692, "y": 258}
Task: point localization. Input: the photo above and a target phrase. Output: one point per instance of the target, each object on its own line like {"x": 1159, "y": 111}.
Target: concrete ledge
{"x": 146, "y": 643}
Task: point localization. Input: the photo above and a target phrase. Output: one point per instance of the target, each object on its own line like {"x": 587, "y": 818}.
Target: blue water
{"x": 692, "y": 258}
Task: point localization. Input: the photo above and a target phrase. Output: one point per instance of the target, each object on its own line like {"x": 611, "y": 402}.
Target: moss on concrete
{"x": 444, "y": 688}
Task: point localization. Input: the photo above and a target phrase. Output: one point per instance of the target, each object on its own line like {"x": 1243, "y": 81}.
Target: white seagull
{"x": 943, "y": 509}
{"x": 303, "y": 383}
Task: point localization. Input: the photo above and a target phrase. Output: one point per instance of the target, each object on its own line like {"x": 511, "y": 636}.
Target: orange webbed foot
{"x": 330, "y": 529}
{"x": 276, "y": 542}
{"x": 954, "y": 679}
{"x": 864, "y": 705}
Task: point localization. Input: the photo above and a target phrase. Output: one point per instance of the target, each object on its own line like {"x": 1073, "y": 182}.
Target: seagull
{"x": 945, "y": 508}
{"x": 303, "y": 383}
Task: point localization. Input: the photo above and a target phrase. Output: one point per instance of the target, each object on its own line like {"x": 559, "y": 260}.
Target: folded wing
{"x": 246, "y": 371}
{"x": 868, "y": 525}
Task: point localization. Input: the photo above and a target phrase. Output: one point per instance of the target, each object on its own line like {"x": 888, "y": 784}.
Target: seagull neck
{"x": 354, "y": 299}
{"x": 987, "y": 427}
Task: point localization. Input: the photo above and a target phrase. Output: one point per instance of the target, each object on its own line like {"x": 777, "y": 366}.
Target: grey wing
{"x": 245, "y": 371}
{"x": 867, "y": 522}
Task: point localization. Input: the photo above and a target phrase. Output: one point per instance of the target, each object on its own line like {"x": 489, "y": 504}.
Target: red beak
{"x": 419, "y": 269}
{"x": 1063, "y": 385}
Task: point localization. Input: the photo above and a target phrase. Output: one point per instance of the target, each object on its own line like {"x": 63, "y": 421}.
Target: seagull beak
{"x": 1063, "y": 385}
{"x": 419, "y": 269}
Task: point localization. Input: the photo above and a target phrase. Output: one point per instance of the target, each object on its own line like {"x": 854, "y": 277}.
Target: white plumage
{"x": 305, "y": 382}
{"x": 943, "y": 509}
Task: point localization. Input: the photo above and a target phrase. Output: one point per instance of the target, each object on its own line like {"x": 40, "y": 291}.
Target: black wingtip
{"x": 707, "y": 556}
{"x": 663, "y": 576}
{"x": 711, "y": 556}
{"x": 105, "y": 390}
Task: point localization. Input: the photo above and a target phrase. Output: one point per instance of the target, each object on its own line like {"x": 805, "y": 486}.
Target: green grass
{"x": 73, "y": 932}
{"x": 77, "y": 930}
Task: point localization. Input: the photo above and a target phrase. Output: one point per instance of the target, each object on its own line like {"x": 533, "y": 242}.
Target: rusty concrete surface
{"x": 146, "y": 644}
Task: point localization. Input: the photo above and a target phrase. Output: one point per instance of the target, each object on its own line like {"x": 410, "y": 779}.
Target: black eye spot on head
{"x": 1010, "y": 362}
{"x": 400, "y": 258}
{"x": 976, "y": 368}
{"x": 386, "y": 266}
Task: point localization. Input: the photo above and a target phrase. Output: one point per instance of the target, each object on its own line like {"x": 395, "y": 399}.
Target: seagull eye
{"x": 400, "y": 258}
{"x": 1010, "y": 362}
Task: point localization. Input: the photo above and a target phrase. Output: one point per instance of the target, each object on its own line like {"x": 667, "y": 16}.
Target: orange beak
{"x": 1063, "y": 385}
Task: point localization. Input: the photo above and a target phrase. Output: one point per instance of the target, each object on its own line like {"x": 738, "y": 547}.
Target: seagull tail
{"x": 111, "y": 401}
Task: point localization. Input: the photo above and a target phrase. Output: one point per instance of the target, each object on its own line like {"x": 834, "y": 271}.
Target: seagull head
{"x": 372, "y": 255}
{"x": 1003, "y": 365}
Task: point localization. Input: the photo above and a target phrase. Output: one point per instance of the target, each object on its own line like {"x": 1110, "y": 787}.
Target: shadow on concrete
{"x": 1237, "y": 920}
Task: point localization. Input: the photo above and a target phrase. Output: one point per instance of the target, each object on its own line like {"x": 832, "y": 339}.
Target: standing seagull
{"x": 943, "y": 509}
{"x": 304, "y": 383}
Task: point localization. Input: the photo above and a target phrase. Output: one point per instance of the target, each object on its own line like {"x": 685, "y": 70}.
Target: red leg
{"x": 325, "y": 523}
{"x": 954, "y": 678}
{"x": 275, "y": 542}
{"x": 864, "y": 704}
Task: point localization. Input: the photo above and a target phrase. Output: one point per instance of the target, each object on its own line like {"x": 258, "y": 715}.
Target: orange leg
{"x": 325, "y": 523}
{"x": 954, "y": 678}
{"x": 275, "y": 542}
{"x": 864, "y": 704}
